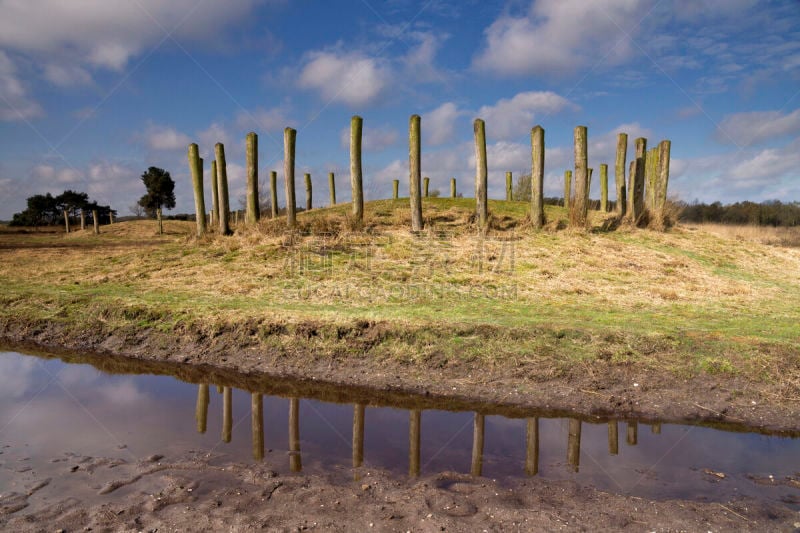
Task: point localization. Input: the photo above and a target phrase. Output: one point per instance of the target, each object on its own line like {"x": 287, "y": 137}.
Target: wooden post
{"x": 619, "y": 174}
{"x": 295, "y": 462}
{"x": 532, "y": 447}
{"x": 355, "y": 168}
{"x": 650, "y": 180}
{"x": 201, "y": 408}
{"x": 214, "y": 194}
{"x": 196, "y": 168}
{"x": 633, "y": 432}
{"x": 477, "y": 445}
{"x": 273, "y": 193}
{"x": 83, "y": 219}
{"x": 604, "y": 188}
{"x": 253, "y": 212}
{"x": 160, "y": 221}
{"x": 257, "y": 423}
{"x": 662, "y": 182}
{"x": 111, "y": 211}
{"x": 358, "y": 434}
{"x": 636, "y": 182}
{"x": 332, "y": 187}
{"x": 574, "y": 444}
{"x": 66, "y": 221}
{"x": 222, "y": 190}
{"x": 537, "y": 177}
{"x": 227, "y": 414}
{"x": 395, "y": 189}
{"x": 414, "y": 434}
{"x": 589, "y": 188}
{"x": 509, "y": 187}
{"x": 96, "y": 222}
{"x": 567, "y": 187}
{"x": 481, "y": 172}
{"x": 426, "y": 181}
{"x": 289, "y": 139}
{"x": 579, "y": 205}
{"x": 613, "y": 437}
{"x": 414, "y": 172}
{"x": 307, "y": 178}
{"x": 452, "y": 187}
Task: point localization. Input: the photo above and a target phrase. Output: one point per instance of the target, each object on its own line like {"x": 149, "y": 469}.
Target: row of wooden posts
{"x": 642, "y": 196}
{"x": 414, "y": 432}
{"x": 95, "y": 220}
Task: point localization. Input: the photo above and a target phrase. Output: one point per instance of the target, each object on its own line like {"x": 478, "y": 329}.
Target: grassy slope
{"x": 686, "y": 301}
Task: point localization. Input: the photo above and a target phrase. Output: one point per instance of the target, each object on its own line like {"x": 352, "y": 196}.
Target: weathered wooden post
{"x": 66, "y": 221}
{"x": 257, "y": 423}
{"x": 662, "y": 182}
{"x": 83, "y": 219}
{"x": 481, "y": 171}
{"x": 307, "y": 178}
{"x": 426, "y": 181}
{"x": 395, "y": 189}
{"x": 579, "y": 204}
{"x": 509, "y": 187}
{"x": 636, "y": 182}
{"x": 651, "y": 167}
{"x": 273, "y": 193}
{"x": 96, "y": 222}
{"x": 332, "y": 187}
{"x": 477, "y": 444}
{"x": 355, "y": 168}
{"x": 196, "y": 168}
{"x": 222, "y": 190}
{"x": 452, "y": 187}
{"x": 289, "y": 138}
{"x": 227, "y": 414}
{"x": 414, "y": 172}
{"x": 532, "y": 447}
{"x": 613, "y": 437}
{"x": 604, "y": 188}
{"x": 619, "y": 174}
{"x": 633, "y": 433}
{"x": 414, "y": 426}
{"x": 160, "y": 220}
{"x": 201, "y": 408}
{"x": 589, "y": 188}
{"x": 574, "y": 444}
{"x": 567, "y": 187}
{"x": 214, "y": 194}
{"x": 295, "y": 461}
{"x": 358, "y": 434}
{"x": 537, "y": 177}
{"x": 236, "y": 217}
{"x": 253, "y": 212}
{"x": 111, "y": 211}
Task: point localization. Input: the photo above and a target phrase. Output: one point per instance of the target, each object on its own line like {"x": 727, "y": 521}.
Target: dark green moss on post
{"x": 289, "y": 139}
{"x": 222, "y": 190}
{"x": 414, "y": 172}
{"x": 356, "y": 124}
{"x": 537, "y": 177}
{"x": 273, "y": 193}
{"x": 619, "y": 174}
{"x": 509, "y": 187}
{"x": 307, "y": 179}
{"x": 253, "y": 212}
{"x": 604, "y": 188}
{"x": 481, "y": 173}
{"x": 332, "y": 187}
{"x": 580, "y": 205}
{"x": 196, "y": 168}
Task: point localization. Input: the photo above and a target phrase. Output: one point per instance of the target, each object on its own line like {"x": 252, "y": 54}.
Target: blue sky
{"x": 93, "y": 92}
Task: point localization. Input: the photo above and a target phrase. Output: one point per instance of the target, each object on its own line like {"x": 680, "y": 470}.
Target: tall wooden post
{"x": 253, "y": 212}
{"x": 636, "y": 182}
{"x": 619, "y": 174}
{"x": 273, "y": 193}
{"x": 222, "y": 190}
{"x": 604, "y": 188}
{"x": 332, "y": 188}
{"x": 307, "y": 178}
{"x": 662, "y": 182}
{"x": 452, "y": 187}
{"x": 537, "y": 177}
{"x": 66, "y": 221}
{"x": 567, "y": 187}
{"x": 580, "y": 205}
{"x": 477, "y": 444}
{"x": 289, "y": 140}
{"x": 509, "y": 187}
{"x": 481, "y": 172}
{"x": 414, "y": 172}
{"x": 426, "y": 181}
{"x": 196, "y": 168}
{"x": 95, "y": 222}
{"x": 214, "y": 194}
{"x": 395, "y": 189}
{"x": 355, "y": 168}
{"x": 83, "y": 219}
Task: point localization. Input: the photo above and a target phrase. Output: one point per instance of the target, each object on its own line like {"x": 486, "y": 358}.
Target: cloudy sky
{"x": 92, "y": 92}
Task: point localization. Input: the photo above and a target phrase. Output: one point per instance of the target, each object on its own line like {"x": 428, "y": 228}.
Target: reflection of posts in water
{"x": 227, "y": 418}
{"x": 257, "y": 422}
{"x": 477, "y": 445}
{"x": 532, "y": 447}
{"x": 613, "y": 437}
{"x": 656, "y": 428}
{"x": 358, "y": 434}
{"x": 201, "y": 410}
{"x": 633, "y": 431}
{"x": 219, "y": 389}
{"x": 414, "y": 423}
{"x": 574, "y": 444}
{"x": 295, "y": 464}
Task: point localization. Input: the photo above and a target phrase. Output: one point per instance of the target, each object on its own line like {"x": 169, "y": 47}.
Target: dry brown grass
{"x": 771, "y": 236}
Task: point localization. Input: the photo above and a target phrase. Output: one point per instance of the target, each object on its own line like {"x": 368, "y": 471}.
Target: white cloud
{"x": 66, "y": 75}
{"x": 510, "y": 118}
{"x": 753, "y": 127}
{"x": 349, "y": 77}
{"x": 438, "y": 126}
{"x": 209, "y": 137}
{"x": 166, "y": 138}
{"x": 559, "y": 36}
{"x": 273, "y": 119}
{"x": 15, "y": 104}
{"x": 372, "y": 139}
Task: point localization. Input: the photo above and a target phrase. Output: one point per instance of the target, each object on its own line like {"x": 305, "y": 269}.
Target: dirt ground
{"x": 195, "y": 493}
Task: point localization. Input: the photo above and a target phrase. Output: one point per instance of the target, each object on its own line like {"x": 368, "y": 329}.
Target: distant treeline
{"x": 47, "y": 210}
{"x": 770, "y": 213}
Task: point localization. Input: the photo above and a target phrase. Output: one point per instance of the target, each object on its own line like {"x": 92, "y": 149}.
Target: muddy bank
{"x": 203, "y": 493}
{"x": 265, "y": 351}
